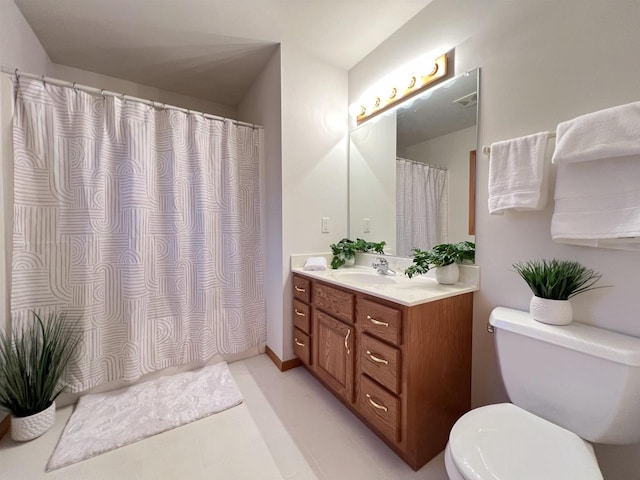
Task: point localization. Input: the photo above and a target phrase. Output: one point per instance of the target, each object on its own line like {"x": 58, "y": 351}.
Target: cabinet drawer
{"x": 379, "y": 320}
{"x": 334, "y": 301}
{"x": 381, "y": 362}
{"x": 380, "y": 408}
{"x": 302, "y": 316}
{"x": 302, "y": 346}
{"x": 301, "y": 289}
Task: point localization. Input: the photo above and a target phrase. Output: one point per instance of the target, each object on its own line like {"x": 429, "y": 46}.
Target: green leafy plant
{"x": 346, "y": 249}
{"x": 557, "y": 279}
{"x": 32, "y": 362}
{"x": 439, "y": 256}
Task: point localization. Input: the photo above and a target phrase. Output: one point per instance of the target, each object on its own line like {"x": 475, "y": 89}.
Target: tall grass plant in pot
{"x": 32, "y": 361}
{"x": 553, "y": 283}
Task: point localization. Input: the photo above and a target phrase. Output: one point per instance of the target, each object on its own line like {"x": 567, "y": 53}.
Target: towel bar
{"x": 486, "y": 149}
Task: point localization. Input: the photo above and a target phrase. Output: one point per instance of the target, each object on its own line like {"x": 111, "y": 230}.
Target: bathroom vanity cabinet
{"x": 403, "y": 370}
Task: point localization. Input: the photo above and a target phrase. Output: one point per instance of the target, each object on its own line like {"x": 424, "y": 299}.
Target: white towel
{"x": 597, "y": 203}
{"x": 610, "y": 133}
{"x": 517, "y": 174}
{"x": 316, "y": 264}
{"x": 597, "y": 196}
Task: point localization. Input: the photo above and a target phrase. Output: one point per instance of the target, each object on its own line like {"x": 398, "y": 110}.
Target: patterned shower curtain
{"x": 422, "y": 206}
{"x": 144, "y": 223}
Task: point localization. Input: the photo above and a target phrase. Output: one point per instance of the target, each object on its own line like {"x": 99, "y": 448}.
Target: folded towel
{"x": 315, "y": 264}
{"x": 609, "y": 133}
{"x": 597, "y": 203}
{"x": 518, "y": 174}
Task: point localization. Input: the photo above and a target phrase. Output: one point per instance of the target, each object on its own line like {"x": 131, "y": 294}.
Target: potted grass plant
{"x": 344, "y": 252}
{"x": 32, "y": 361}
{"x": 445, "y": 258}
{"x": 553, "y": 283}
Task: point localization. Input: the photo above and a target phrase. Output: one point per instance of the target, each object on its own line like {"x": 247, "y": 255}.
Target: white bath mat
{"x": 105, "y": 421}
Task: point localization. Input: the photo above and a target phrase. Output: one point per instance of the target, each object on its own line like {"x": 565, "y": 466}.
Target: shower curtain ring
{"x": 102, "y": 93}
{"x": 75, "y": 89}
{"x": 43, "y": 82}
{"x": 17, "y": 75}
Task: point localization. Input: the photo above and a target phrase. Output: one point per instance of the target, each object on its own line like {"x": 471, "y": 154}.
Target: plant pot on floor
{"x": 33, "y": 426}
{"x": 553, "y": 312}
{"x": 448, "y": 274}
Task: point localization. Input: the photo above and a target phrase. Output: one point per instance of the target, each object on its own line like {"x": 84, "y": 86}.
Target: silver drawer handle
{"x": 376, "y": 322}
{"x": 377, "y": 359}
{"x": 377, "y": 405}
{"x": 298, "y": 289}
{"x": 298, "y": 343}
{"x": 300, "y": 314}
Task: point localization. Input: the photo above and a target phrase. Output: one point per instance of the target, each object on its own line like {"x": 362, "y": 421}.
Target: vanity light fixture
{"x": 414, "y": 83}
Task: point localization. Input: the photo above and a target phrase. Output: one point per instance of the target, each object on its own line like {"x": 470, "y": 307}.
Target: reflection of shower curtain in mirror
{"x": 421, "y": 205}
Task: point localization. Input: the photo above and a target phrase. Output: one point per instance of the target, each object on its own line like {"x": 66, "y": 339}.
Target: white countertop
{"x": 400, "y": 289}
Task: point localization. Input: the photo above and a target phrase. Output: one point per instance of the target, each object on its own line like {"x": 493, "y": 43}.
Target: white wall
{"x": 452, "y": 152}
{"x": 314, "y": 163}
{"x": 113, "y": 84}
{"x": 21, "y": 49}
{"x": 372, "y": 180}
{"x": 262, "y": 105}
{"x": 541, "y": 63}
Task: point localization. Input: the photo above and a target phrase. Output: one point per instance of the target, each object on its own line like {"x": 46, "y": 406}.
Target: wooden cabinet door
{"x": 333, "y": 354}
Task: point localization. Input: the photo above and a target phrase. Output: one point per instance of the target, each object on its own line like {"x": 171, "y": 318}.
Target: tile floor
{"x": 289, "y": 427}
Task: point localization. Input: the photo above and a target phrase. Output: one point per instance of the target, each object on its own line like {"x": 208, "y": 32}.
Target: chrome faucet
{"x": 382, "y": 266}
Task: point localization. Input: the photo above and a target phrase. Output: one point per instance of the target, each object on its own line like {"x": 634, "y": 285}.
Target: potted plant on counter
{"x": 32, "y": 361}
{"x": 344, "y": 252}
{"x": 553, "y": 283}
{"x": 445, "y": 258}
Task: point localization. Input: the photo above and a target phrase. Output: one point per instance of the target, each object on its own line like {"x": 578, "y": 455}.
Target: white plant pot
{"x": 349, "y": 262}
{"x": 553, "y": 312}
{"x": 448, "y": 275}
{"x": 28, "y": 428}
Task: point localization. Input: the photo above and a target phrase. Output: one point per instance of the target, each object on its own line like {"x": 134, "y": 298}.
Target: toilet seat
{"x": 505, "y": 442}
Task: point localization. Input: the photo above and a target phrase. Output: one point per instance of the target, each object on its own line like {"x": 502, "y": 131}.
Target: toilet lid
{"x": 505, "y": 442}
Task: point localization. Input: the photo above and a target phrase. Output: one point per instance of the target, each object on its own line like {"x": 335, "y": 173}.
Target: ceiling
{"x": 210, "y": 49}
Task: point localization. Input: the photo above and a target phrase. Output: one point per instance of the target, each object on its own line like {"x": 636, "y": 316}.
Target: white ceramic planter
{"x": 448, "y": 275}
{"x": 349, "y": 262}
{"x": 28, "y": 428}
{"x": 553, "y": 312}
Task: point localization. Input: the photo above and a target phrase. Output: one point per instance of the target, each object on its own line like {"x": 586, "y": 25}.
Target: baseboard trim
{"x": 282, "y": 366}
{"x": 4, "y": 425}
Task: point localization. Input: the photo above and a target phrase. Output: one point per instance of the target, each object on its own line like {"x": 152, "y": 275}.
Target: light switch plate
{"x": 325, "y": 224}
{"x": 366, "y": 225}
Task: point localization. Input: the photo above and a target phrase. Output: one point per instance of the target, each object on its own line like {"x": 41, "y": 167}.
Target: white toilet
{"x": 569, "y": 385}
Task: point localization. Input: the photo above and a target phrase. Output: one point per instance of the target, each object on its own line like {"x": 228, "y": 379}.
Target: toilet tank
{"x": 580, "y": 377}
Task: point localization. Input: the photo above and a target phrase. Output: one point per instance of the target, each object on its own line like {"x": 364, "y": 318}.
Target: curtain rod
{"x": 101, "y": 91}
{"x": 437, "y": 167}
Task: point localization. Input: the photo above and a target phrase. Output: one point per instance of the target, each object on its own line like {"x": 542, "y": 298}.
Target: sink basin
{"x": 364, "y": 278}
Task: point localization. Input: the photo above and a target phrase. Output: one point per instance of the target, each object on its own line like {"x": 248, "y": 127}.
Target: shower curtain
{"x": 421, "y": 206}
{"x": 144, "y": 223}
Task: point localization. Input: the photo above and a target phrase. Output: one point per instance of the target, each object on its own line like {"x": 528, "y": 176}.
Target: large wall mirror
{"x": 411, "y": 169}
